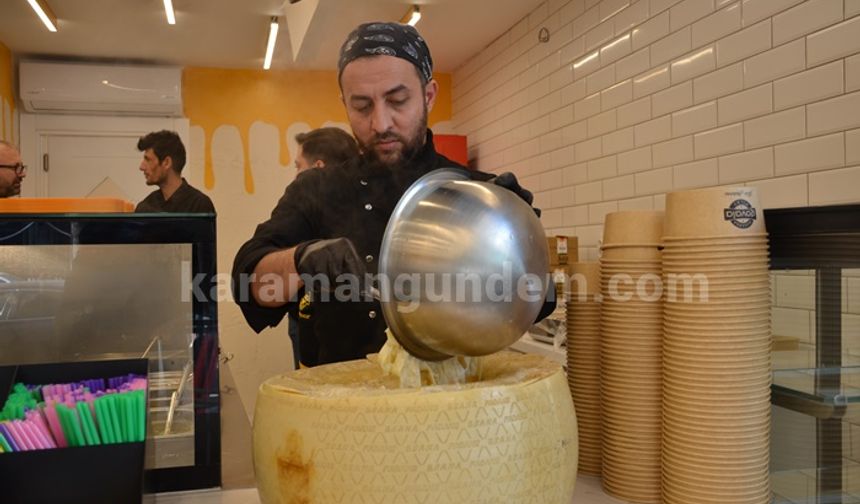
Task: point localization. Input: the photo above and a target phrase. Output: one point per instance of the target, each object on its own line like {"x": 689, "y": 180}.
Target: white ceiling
{"x": 232, "y": 33}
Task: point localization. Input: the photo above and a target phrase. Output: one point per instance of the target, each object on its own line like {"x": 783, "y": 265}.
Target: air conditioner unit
{"x": 100, "y": 89}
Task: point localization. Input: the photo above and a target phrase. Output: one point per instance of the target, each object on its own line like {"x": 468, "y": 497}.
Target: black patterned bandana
{"x": 387, "y": 39}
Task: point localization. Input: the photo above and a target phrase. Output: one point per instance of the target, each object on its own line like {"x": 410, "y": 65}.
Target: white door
{"x": 79, "y": 164}
{"x": 84, "y": 153}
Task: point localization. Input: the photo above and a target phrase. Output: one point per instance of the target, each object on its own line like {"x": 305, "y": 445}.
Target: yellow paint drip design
{"x": 6, "y": 90}
{"x": 216, "y": 97}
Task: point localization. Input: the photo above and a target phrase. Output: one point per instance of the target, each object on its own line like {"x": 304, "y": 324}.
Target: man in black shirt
{"x": 163, "y": 160}
{"x": 331, "y": 222}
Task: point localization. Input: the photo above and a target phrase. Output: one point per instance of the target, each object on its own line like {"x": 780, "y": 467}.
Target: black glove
{"x": 330, "y": 258}
{"x": 509, "y": 181}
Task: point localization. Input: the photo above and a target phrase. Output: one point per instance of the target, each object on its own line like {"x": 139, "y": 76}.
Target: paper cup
{"x": 634, "y": 227}
{"x": 716, "y": 212}
{"x": 711, "y": 241}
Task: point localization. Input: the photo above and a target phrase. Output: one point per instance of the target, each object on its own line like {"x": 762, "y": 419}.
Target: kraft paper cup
{"x": 695, "y": 318}
{"x": 712, "y": 241}
{"x": 739, "y": 395}
{"x": 703, "y": 377}
{"x": 630, "y": 252}
{"x": 682, "y": 325}
{"x": 735, "y": 459}
{"x": 585, "y": 277}
{"x": 700, "y": 485}
{"x": 759, "y": 430}
{"x": 716, "y": 212}
{"x": 616, "y": 263}
{"x": 633, "y": 227}
{"x": 709, "y": 296}
{"x": 737, "y": 253}
{"x": 670, "y": 496}
{"x": 702, "y": 382}
{"x": 680, "y": 261}
{"x": 738, "y": 249}
{"x": 718, "y": 288}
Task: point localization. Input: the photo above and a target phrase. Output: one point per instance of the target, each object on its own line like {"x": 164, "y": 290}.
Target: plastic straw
{"x": 21, "y": 438}
{"x": 54, "y": 424}
{"x": 29, "y": 428}
{"x": 74, "y": 433}
{"x": 140, "y": 395}
{"x": 110, "y": 403}
{"x": 5, "y": 444}
{"x": 128, "y": 405}
{"x": 88, "y": 423}
{"x": 7, "y": 436}
{"x": 105, "y": 425}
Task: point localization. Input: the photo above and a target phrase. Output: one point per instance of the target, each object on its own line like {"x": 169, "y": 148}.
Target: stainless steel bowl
{"x": 462, "y": 268}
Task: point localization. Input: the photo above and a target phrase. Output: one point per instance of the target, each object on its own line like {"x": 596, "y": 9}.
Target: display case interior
{"x": 99, "y": 287}
{"x": 815, "y": 280}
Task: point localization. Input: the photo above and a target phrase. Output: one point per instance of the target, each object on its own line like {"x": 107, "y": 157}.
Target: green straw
{"x": 76, "y": 427}
{"x": 64, "y": 425}
{"x": 92, "y": 422}
{"x": 87, "y": 423}
{"x": 6, "y": 446}
{"x": 103, "y": 417}
{"x": 119, "y": 405}
{"x": 72, "y": 422}
{"x": 110, "y": 404}
{"x": 88, "y": 437}
{"x": 128, "y": 403}
{"x": 141, "y": 417}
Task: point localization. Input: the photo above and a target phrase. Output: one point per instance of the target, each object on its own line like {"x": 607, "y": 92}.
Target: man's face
{"x": 387, "y": 107}
{"x": 10, "y": 181}
{"x": 154, "y": 171}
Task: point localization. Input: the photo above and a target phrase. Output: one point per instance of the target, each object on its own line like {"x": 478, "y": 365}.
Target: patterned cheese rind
{"x": 340, "y": 434}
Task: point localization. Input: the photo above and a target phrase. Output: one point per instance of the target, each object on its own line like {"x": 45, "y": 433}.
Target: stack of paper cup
{"x": 583, "y": 361}
{"x": 716, "y": 348}
{"x": 631, "y": 345}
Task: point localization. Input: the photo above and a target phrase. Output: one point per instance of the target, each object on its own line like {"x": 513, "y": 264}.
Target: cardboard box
{"x": 563, "y": 250}
{"x": 86, "y": 474}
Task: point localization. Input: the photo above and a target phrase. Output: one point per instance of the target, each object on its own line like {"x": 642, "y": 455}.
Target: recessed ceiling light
{"x": 270, "y": 47}
{"x": 43, "y": 10}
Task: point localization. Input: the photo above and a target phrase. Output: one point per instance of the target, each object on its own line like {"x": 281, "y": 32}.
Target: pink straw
{"x": 37, "y": 416}
{"x": 54, "y": 423}
{"x": 39, "y": 442}
{"x": 40, "y": 427}
{"x": 21, "y": 438}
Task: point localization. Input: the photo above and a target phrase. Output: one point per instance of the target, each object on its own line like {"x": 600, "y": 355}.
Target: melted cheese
{"x": 414, "y": 372}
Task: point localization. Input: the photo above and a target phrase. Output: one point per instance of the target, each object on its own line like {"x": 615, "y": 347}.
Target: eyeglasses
{"x": 19, "y": 168}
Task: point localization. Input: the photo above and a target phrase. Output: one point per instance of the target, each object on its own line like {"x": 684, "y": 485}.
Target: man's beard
{"x": 409, "y": 150}
{"x": 14, "y": 189}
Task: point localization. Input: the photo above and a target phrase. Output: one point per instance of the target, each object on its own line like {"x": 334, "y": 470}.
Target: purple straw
{"x": 9, "y": 437}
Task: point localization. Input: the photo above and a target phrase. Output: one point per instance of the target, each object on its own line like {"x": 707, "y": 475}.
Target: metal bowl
{"x": 463, "y": 267}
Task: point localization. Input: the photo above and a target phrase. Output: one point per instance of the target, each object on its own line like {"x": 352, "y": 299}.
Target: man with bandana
{"x": 331, "y": 222}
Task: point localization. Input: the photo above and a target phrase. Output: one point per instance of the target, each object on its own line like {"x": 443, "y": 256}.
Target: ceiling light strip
{"x": 270, "y": 47}
{"x": 45, "y": 14}
{"x": 168, "y": 10}
{"x": 416, "y": 16}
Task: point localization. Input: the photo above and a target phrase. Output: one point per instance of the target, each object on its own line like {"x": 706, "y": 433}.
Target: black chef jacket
{"x": 353, "y": 201}
{"x": 186, "y": 199}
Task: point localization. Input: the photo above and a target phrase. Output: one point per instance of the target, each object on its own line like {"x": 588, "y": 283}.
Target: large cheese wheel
{"x": 344, "y": 433}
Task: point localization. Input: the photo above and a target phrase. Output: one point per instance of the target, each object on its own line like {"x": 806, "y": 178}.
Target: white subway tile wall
{"x": 631, "y": 99}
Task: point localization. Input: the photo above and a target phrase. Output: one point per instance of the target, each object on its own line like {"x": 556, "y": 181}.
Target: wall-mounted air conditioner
{"x": 100, "y": 89}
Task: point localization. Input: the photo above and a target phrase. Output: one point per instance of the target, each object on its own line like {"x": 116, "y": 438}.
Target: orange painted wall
{"x": 7, "y": 91}
{"x": 214, "y": 97}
